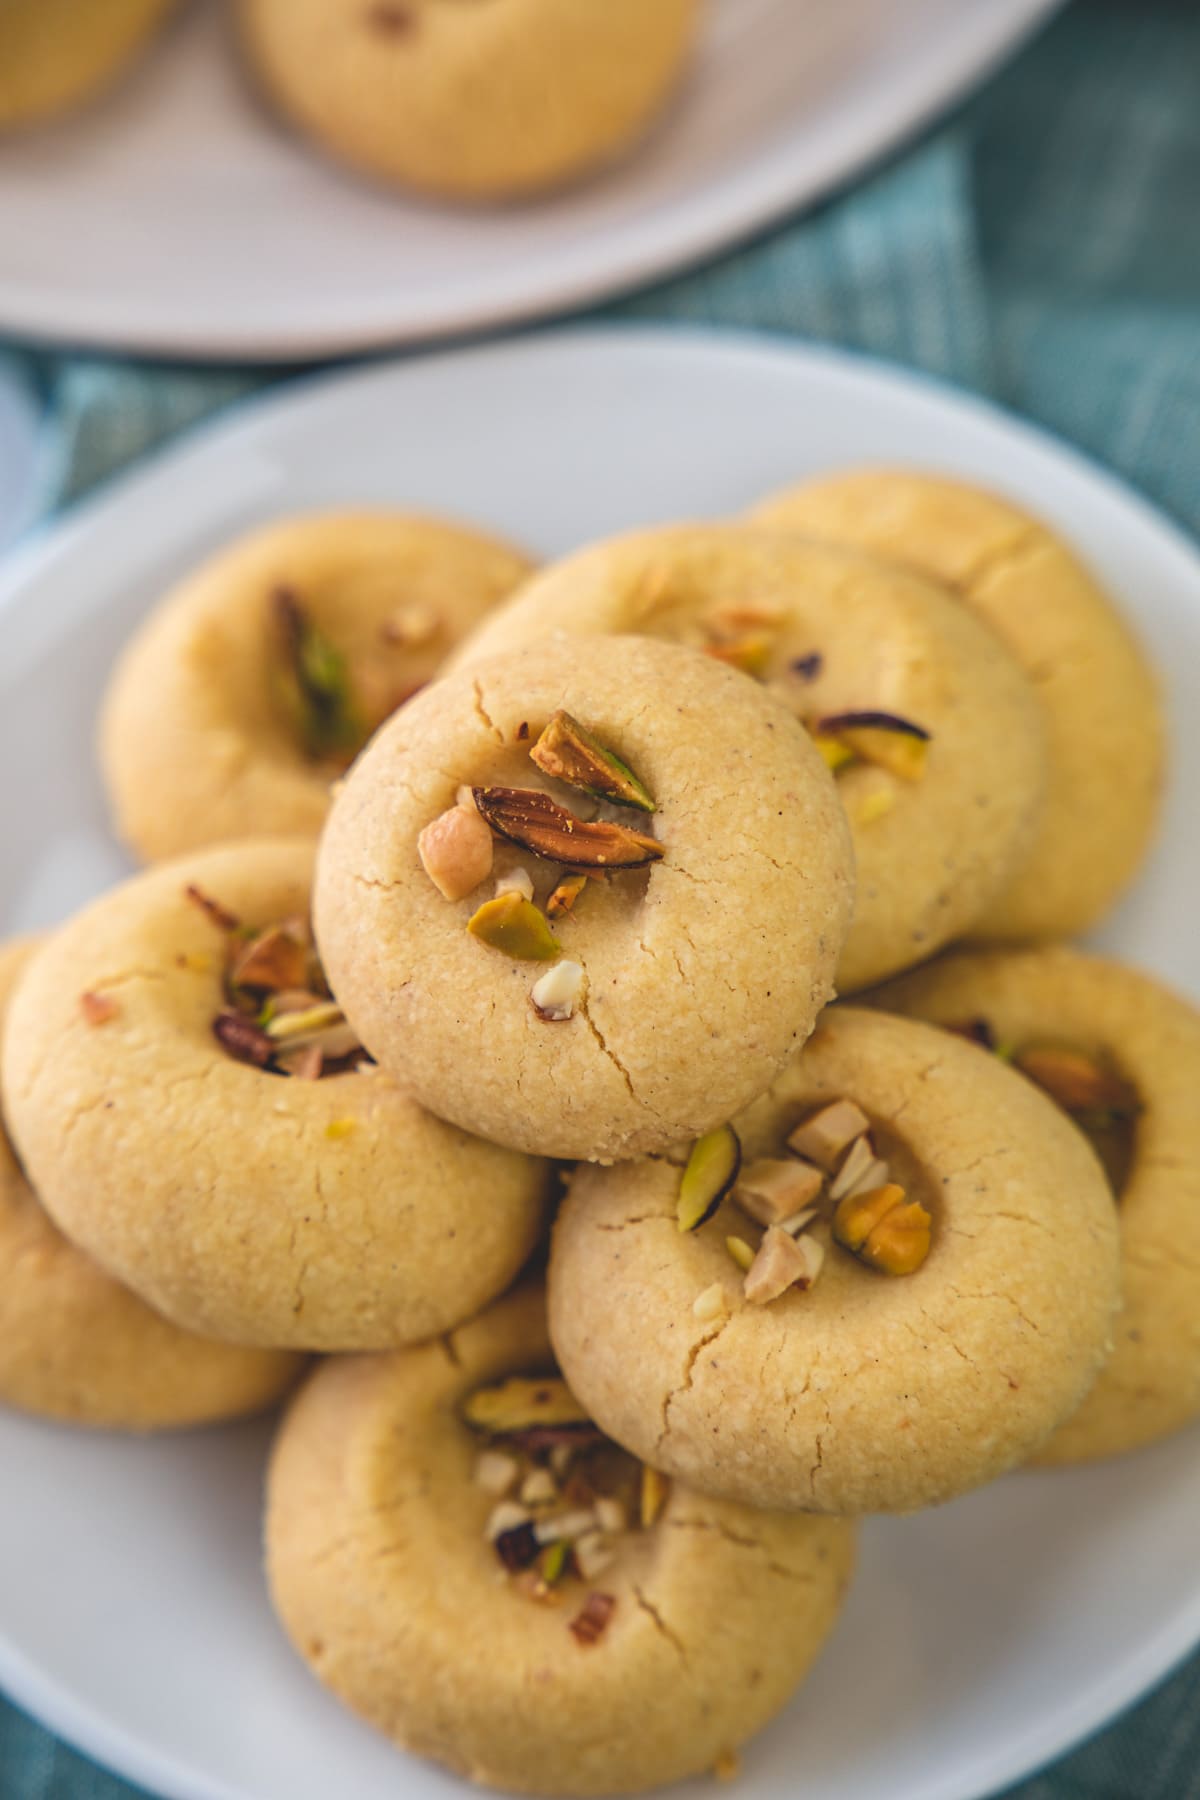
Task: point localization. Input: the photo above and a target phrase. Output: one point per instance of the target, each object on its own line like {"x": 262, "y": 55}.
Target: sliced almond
{"x": 515, "y": 881}
{"x": 565, "y": 1525}
{"x": 859, "y": 1159}
{"x": 711, "y": 1305}
{"x": 610, "y": 1514}
{"x": 539, "y": 1488}
{"x": 496, "y": 1472}
{"x": 557, "y": 995}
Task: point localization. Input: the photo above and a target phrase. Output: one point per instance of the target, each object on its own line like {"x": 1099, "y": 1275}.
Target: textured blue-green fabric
{"x": 1043, "y": 246}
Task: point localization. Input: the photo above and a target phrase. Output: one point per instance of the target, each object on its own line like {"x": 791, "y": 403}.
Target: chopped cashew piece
{"x": 556, "y": 994}
{"x": 795, "y": 1225}
{"x": 495, "y": 1472}
{"x": 771, "y": 1189}
{"x": 593, "y": 1555}
{"x": 516, "y": 881}
{"x": 538, "y": 1488}
{"x": 508, "y": 1516}
{"x": 456, "y": 852}
{"x": 782, "y": 1262}
{"x": 875, "y": 1174}
{"x": 823, "y": 1137}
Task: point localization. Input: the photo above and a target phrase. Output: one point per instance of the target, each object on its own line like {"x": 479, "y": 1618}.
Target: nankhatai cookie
{"x": 55, "y": 54}
{"x": 1120, "y": 1054}
{"x": 1099, "y": 695}
{"x": 254, "y": 683}
{"x": 471, "y": 102}
{"x": 457, "y": 1552}
{"x": 76, "y": 1346}
{"x": 885, "y": 1284}
{"x": 193, "y": 1110}
{"x": 586, "y": 897}
{"x": 932, "y": 731}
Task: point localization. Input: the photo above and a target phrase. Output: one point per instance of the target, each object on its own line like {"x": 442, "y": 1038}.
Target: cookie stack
{"x": 600, "y": 846}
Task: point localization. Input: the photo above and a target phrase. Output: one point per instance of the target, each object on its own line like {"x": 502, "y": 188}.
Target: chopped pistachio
{"x": 537, "y": 823}
{"x": 881, "y": 738}
{"x": 772, "y": 1189}
{"x": 568, "y": 752}
{"x": 1077, "y": 1081}
{"x": 553, "y": 1560}
{"x": 563, "y": 899}
{"x": 711, "y": 1170}
{"x": 326, "y": 713}
{"x": 823, "y": 1136}
{"x": 711, "y": 1305}
{"x": 219, "y": 915}
{"x": 884, "y": 1229}
{"x": 834, "y": 750}
{"x": 273, "y": 959}
{"x": 652, "y": 1498}
{"x": 284, "y": 1027}
{"x": 520, "y": 1402}
{"x": 514, "y": 926}
{"x": 555, "y": 995}
{"x": 98, "y": 1009}
{"x": 751, "y": 654}
{"x": 243, "y": 1039}
{"x": 741, "y": 1252}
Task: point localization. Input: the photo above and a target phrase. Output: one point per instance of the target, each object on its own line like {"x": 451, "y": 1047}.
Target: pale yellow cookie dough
{"x": 868, "y": 1392}
{"x": 55, "y": 54}
{"x": 699, "y": 974}
{"x": 328, "y": 1214}
{"x": 1151, "y": 1384}
{"x": 78, "y": 1347}
{"x": 930, "y": 853}
{"x": 471, "y": 101}
{"x": 1100, "y": 697}
{"x": 200, "y": 738}
{"x": 384, "y": 1581}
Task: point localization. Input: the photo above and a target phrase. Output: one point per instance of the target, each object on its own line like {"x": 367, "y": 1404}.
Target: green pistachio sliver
{"x": 552, "y": 1562}
{"x": 285, "y": 1026}
{"x": 515, "y": 926}
{"x": 567, "y": 751}
{"x": 711, "y": 1170}
{"x": 327, "y": 716}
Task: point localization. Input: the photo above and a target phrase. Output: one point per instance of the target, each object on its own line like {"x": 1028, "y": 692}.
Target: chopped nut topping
{"x": 859, "y": 1159}
{"x": 752, "y": 655}
{"x": 318, "y": 684}
{"x": 881, "y": 738}
{"x": 568, "y": 752}
{"x": 411, "y": 626}
{"x": 771, "y": 1190}
{"x": 517, "y": 1547}
{"x": 569, "y": 1525}
{"x": 782, "y": 1262}
{"x": 339, "y": 1128}
{"x": 823, "y": 1137}
{"x": 655, "y": 1491}
{"x": 593, "y": 1554}
{"x": 221, "y": 917}
{"x": 553, "y": 1561}
{"x": 304, "y": 1065}
{"x": 589, "y": 1625}
{"x": 516, "y": 881}
{"x": 711, "y": 1305}
{"x": 884, "y": 1229}
{"x": 507, "y": 1516}
{"x": 797, "y": 1221}
{"x": 610, "y": 1514}
{"x": 456, "y": 851}
{"x": 275, "y": 958}
{"x": 711, "y": 1170}
{"x": 556, "y": 994}
{"x": 515, "y": 926}
{"x": 539, "y": 1488}
{"x": 835, "y": 752}
{"x": 530, "y": 818}
{"x": 98, "y": 1009}
{"x": 495, "y": 1472}
{"x": 741, "y": 1252}
{"x": 243, "y": 1039}
{"x": 1077, "y": 1081}
{"x": 521, "y": 1401}
{"x": 874, "y": 806}
{"x": 563, "y": 899}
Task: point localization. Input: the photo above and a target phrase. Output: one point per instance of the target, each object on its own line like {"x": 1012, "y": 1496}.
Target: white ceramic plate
{"x": 980, "y": 1640}
{"x": 178, "y": 218}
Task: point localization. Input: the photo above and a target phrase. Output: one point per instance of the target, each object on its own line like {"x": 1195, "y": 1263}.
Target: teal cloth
{"x": 1043, "y": 246}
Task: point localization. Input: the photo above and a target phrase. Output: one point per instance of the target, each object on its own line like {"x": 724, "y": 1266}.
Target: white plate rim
{"x": 704, "y": 226}
{"x": 1140, "y": 1669}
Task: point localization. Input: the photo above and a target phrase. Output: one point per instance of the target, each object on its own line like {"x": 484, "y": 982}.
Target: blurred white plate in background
{"x": 979, "y": 1640}
{"x": 20, "y": 452}
{"x": 178, "y": 218}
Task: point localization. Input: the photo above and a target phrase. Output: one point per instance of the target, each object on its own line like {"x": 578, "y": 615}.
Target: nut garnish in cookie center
{"x": 279, "y": 1014}
{"x": 565, "y": 1497}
